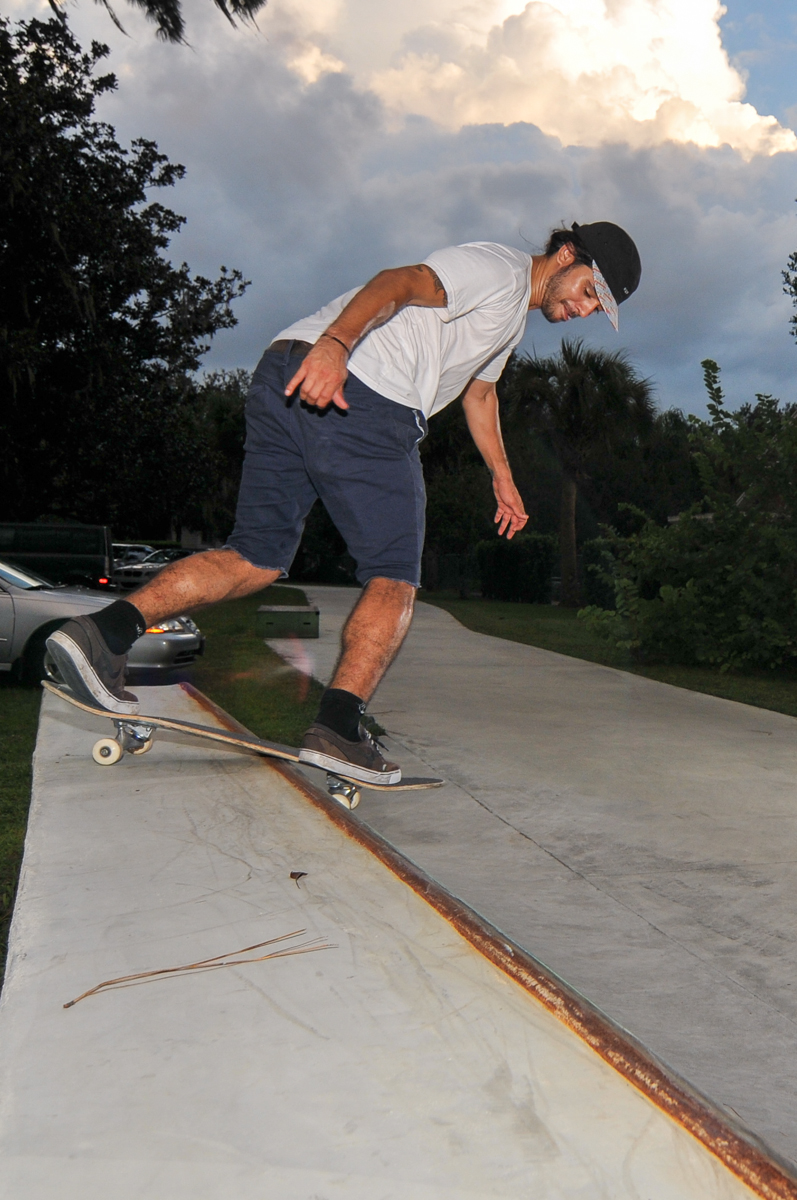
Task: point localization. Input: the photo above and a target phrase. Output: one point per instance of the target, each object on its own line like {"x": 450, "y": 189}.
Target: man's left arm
{"x": 480, "y": 403}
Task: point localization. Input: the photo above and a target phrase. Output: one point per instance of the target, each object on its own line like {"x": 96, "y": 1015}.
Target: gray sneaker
{"x": 89, "y": 669}
{"x": 361, "y": 760}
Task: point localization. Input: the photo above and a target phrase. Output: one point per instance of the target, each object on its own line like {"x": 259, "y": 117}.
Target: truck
{"x": 73, "y": 554}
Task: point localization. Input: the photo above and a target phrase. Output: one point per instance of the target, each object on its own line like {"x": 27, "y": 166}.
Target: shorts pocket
{"x": 411, "y": 427}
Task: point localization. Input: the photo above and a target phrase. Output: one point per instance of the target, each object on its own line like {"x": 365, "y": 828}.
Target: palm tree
{"x": 168, "y": 17}
{"x": 582, "y": 401}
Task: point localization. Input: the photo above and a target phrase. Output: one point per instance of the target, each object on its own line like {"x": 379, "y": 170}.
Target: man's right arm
{"x": 323, "y": 372}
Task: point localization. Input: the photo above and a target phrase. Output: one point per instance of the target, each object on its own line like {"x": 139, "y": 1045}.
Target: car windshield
{"x": 159, "y": 556}
{"x": 23, "y": 579}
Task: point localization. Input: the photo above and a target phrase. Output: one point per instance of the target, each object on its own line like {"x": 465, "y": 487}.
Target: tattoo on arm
{"x": 440, "y": 291}
{"x": 438, "y": 286}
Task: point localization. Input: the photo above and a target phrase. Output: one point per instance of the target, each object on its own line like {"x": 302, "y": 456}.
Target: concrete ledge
{"x": 400, "y": 1064}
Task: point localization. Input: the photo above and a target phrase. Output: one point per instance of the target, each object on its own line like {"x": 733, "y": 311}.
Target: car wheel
{"x": 32, "y": 671}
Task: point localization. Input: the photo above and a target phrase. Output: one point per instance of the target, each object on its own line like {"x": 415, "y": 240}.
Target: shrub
{"x": 717, "y": 586}
{"x": 718, "y": 591}
{"x": 518, "y": 570}
{"x": 597, "y": 573}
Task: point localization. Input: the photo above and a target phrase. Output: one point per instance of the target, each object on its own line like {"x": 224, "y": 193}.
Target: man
{"x": 337, "y": 408}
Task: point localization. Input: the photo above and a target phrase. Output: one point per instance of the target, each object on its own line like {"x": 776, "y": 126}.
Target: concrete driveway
{"x": 638, "y": 838}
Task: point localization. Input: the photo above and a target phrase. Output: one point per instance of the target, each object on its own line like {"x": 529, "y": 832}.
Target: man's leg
{"x": 371, "y": 483}
{"x": 371, "y": 639}
{"x": 91, "y": 652}
{"x": 372, "y": 636}
{"x": 199, "y": 580}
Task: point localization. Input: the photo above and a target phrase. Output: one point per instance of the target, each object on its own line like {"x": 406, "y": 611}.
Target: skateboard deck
{"x": 135, "y": 734}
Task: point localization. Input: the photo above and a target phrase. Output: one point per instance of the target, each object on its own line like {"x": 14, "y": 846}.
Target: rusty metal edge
{"x": 737, "y": 1148}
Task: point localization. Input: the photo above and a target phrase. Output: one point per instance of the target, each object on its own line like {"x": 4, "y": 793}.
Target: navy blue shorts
{"x": 363, "y": 463}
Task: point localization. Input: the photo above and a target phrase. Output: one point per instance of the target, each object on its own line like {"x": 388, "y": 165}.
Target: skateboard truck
{"x": 342, "y": 790}
{"x": 130, "y": 737}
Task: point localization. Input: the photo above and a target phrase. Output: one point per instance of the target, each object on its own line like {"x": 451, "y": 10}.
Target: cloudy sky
{"x": 341, "y": 136}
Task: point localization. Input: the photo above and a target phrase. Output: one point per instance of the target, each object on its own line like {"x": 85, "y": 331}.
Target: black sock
{"x": 120, "y": 624}
{"x": 341, "y": 711}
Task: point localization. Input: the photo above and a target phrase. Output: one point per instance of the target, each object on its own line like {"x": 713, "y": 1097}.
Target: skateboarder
{"x": 338, "y": 406}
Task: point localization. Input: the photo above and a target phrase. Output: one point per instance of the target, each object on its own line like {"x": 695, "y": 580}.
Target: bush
{"x": 597, "y": 574}
{"x": 719, "y": 591}
{"x": 718, "y": 586}
{"x": 518, "y": 570}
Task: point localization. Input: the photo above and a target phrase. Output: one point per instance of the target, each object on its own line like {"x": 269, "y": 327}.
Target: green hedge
{"x": 519, "y": 570}
{"x": 718, "y": 592}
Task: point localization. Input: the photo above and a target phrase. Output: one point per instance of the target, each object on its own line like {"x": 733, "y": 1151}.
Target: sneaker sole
{"x": 339, "y": 766}
{"x": 79, "y": 675}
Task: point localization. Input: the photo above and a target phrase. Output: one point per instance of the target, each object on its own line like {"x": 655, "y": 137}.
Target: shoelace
{"x": 374, "y": 742}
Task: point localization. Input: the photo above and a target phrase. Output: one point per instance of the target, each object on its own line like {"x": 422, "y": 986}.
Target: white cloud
{"x": 642, "y": 72}
{"x": 310, "y": 63}
{"x": 311, "y": 186}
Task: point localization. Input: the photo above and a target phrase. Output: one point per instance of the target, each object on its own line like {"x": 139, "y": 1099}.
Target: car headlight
{"x": 172, "y": 626}
{"x": 190, "y": 625}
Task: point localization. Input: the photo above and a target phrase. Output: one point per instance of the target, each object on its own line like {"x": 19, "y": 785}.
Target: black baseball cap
{"x": 616, "y": 264}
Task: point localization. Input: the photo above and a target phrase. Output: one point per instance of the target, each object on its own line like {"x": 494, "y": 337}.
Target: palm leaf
{"x": 168, "y": 16}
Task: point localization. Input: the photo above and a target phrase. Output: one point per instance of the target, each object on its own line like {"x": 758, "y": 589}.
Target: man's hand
{"x": 480, "y": 403}
{"x": 511, "y": 516}
{"x": 321, "y": 376}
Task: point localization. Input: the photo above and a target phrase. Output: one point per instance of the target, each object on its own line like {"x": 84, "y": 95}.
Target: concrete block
{"x": 287, "y": 620}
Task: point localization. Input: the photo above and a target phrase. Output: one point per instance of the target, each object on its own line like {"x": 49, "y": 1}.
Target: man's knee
{"x": 397, "y": 585}
{"x": 219, "y": 569}
{"x": 233, "y": 560}
{"x": 230, "y": 563}
{"x": 391, "y": 600}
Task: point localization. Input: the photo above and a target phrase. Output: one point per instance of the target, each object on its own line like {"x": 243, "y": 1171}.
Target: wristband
{"x": 338, "y": 340}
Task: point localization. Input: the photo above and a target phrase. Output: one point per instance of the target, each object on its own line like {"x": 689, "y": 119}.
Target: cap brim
{"x": 607, "y": 300}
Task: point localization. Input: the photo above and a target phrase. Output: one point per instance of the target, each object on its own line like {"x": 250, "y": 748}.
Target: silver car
{"x": 129, "y": 552}
{"x": 31, "y": 608}
{"x": 133, "y": 574}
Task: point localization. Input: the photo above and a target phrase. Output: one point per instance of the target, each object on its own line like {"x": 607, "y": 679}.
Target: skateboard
{"x": 135, "y": 735}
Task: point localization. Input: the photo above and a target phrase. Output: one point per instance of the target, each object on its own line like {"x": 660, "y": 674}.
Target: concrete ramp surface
{"x": 399, "y": 1064}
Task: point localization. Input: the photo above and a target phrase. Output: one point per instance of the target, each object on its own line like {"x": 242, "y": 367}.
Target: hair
{"x": 567, "y": 237}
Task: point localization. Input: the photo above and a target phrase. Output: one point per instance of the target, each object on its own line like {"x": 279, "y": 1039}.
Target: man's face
{"x": 570, "y": 293}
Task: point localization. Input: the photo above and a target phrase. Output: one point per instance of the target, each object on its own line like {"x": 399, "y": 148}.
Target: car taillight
{"x": 103, "y": 580}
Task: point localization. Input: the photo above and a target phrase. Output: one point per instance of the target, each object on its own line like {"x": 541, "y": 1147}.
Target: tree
{"x": 717, "y": 586}
{"x": 657, "y": 473}
{"x": 585, "y": 403}
{"x": 100, "y": 333}
{"x": 220, "y": 402}
{"x": 168, "y": 16}
{"x": 460, "y": 503}
{"x": 790, "y": 288}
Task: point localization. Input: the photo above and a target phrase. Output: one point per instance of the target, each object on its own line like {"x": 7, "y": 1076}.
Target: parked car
{"x": 129, "y": 552}
{"x": 31, "y": 607}
{"x": 133, "y": 574}
{"x": 77, "y": 555}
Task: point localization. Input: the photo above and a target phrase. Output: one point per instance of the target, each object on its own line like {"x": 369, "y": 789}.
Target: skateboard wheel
{"x": 106, "y": 752}
{"x": 142, "y": 747}
{"x": 347, "y": 794}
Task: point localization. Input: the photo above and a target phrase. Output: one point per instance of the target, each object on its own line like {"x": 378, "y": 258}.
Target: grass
{"x": 241, "y": 673}
{"x": 19, "y": 715}
{"x": 554, "y": 628}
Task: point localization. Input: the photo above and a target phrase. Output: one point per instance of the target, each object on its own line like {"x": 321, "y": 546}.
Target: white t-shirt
{"x": 425, "y": 357}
